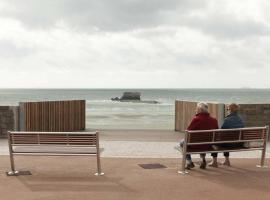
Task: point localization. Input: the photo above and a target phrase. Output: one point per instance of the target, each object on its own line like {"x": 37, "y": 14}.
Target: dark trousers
{"x": 226, "y": 154}
{"x": 188, "y": 156}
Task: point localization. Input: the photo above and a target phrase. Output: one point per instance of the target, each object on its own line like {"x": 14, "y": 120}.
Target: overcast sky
{"x": 134, "y": 43}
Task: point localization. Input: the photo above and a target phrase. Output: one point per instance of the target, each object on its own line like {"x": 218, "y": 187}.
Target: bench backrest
{"x": 227, "y": 135}
{"x": 53, "y": 138}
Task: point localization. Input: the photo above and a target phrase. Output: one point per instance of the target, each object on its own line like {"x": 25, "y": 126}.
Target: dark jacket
{"x": 203, "y": 121}
{"x": 233, "y": 120}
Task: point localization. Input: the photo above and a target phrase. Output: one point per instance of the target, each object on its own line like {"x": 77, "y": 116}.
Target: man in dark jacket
{"x": 201, "y": 121}
{"x": 233, "y": 120}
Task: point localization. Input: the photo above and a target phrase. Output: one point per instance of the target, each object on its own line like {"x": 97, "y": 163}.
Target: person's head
{"x": 233, "y": 108}
{"x": 202, "y": 108}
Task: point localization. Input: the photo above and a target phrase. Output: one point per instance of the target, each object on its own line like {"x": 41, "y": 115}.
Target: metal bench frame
{"x": 252, "y": 134}
{"x": 67, "y": 140}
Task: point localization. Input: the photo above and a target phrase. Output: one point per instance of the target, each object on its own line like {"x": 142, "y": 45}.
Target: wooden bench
{"x": 53, "y": 143}
{"x": 206, "y": 138}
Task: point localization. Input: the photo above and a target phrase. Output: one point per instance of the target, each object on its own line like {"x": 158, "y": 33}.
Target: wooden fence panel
{"x": 185, "y": 111}
{"x": 52, "y": 116}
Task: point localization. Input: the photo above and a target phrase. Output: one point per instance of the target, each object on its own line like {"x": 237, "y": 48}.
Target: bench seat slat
{"x": 54, "y": 138}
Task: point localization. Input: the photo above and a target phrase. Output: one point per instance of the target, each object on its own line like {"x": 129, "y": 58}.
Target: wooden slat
{"x": 54, "y": 138}
{"x": 253, "y": 134}
{"x": 227, "y": 135}
{"x": 185, "y": 111}
{"x": 200, "y": 137}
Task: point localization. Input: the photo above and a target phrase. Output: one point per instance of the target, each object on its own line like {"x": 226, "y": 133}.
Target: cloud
{"x": 175, "y": 43}
{"x": 117, "y": 15}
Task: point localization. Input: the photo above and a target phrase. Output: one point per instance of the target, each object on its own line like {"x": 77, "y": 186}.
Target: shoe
{"x": 213, "y": 164}
{"x": 203, "y": 164}
{"x": 178, "y": 148}
{"x": 190, "y": 165}
{"x": 227, "y": 163}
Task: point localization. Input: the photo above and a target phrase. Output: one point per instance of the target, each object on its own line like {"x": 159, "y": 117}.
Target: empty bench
{"x": 201, "y": 141}
{"x": 53, "y": 143}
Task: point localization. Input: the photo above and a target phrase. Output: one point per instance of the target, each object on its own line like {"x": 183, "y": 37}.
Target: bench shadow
{"x": 235, "y": 177}
{"x": 73, "y": 183}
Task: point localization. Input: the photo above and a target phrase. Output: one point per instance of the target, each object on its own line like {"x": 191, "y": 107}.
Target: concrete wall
{"x": 255, "y": 114}
{"x": 9, "y": 116}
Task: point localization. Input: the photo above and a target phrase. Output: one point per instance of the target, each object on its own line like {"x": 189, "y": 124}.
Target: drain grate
{"x": 152, "y": 166}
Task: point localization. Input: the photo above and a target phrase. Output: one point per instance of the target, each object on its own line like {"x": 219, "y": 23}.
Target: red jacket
{"x": 203, "y": 121}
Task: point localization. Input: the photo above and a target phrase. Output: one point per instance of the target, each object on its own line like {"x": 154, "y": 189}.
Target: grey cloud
{"x": 227, "y": 26}
{"x": 112, "y": 15}
{"x": 125, "y": 15}
{"x": 10, "y": 50}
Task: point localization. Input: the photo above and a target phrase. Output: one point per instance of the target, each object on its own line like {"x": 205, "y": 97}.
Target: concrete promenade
{"x": 71, "y": 178}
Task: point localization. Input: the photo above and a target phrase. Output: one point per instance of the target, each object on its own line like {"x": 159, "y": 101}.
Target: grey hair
{"x": 203, "y": 107}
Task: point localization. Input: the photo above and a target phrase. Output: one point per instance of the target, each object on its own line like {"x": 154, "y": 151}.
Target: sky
{"x": 134, "y": 43}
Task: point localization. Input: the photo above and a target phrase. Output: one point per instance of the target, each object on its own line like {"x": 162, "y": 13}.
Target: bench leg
{"x": 183, "y": 167}
{"x": 13, "y": 172}
{"x": 263, "y": 158}
{"x": 99, "y": 172}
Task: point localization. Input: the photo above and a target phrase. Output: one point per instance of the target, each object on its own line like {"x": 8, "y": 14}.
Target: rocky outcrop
{"x": 129, "y": 96}
{"x": 132, "y": 97}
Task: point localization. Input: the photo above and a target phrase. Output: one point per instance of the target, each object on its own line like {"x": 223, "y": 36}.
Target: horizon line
{"x": 131, "y": 88}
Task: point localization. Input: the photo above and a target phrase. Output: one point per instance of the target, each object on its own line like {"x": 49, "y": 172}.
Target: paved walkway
{"x": 71, "y": 178}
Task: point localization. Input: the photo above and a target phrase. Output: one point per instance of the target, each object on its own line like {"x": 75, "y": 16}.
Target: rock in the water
{"x": 131, "y": 96}
{"x": 115, "y": 99}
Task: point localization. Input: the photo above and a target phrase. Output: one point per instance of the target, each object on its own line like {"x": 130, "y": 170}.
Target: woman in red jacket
{"x": 201, "y": 121}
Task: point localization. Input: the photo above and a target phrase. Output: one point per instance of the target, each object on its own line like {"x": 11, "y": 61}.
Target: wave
{"x": 120, "y": 115}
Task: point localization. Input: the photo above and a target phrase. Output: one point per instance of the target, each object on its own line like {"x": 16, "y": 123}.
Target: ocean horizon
{"x": 102, "y": 113}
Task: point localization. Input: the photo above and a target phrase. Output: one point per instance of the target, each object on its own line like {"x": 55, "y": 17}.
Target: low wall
{"x": 8, "y": 119}
{"x": 255, "y": 114}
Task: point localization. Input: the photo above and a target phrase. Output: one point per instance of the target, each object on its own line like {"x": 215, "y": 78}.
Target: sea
{"x": 102, "y": 113}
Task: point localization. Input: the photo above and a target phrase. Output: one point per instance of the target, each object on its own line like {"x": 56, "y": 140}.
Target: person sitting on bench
{"x": 233, "y": 120}
{"x": 201, "y": 121}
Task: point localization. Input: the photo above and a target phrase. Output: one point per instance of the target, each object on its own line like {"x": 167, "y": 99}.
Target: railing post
{"x": 264, "y": 149}
{"x": 99, "y": 172}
